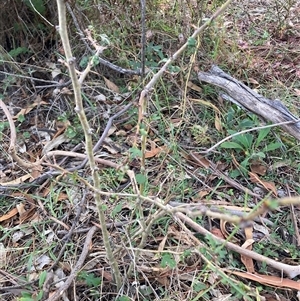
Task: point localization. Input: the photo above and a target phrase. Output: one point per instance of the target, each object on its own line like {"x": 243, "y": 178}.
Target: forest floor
{"x": 49, "y": 226}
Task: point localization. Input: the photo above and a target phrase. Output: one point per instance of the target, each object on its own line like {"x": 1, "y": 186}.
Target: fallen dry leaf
{"x": 110, "y": 85}
{"x": 218, "y": 123}
{"x": 200, "y": 160}
{"x": 194, "y": 87}
{"x": 203, "y": 193}
{"x": 258, "y": 167}
{"x": 248, "y": 261}
{"x": 269, "y": 280}
{"x": 270, "y": 186}
{"x": 217, "y": 232}
{"x": 26, "y": 110}
{"x": 17, "y": 181}
{"x": 9, "y": 215}
{"x": 154, "y": 150}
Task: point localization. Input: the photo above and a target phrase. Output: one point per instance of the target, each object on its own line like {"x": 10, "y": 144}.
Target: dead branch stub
{"x": 243, "y": 96}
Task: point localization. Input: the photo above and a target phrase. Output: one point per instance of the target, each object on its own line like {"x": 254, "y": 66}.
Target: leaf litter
{"x": 182, "y": 174}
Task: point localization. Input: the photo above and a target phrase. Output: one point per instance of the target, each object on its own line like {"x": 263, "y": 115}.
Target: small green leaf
{"x": 3, "y": 125}
{"x": 42, "y": 278}
{"x": 199, "y": 286}
{"x": 26, "y": 135}
{"x": 90, "y": 279}
{"x": 123, "y": 298}
{"x": 140, "y": 178}
{"x": 117, "y": 209}
{"x": 191, "y": 42}
{"x": 233, "y": 145}
{"x": 259, "y": 154}
{"x": 168, "y": 260}
{"x": 273, "y": 146}
{"x": 262, "y": 134}
{"x": 135, "y": 153}
{"x": 70, "y": 132}
{"x": 21, "y": 118}
{"x": 95, "y": 60}
{"x": 17, "y": 51}
{"x": 83, "y": 62}
{"x": 105, "y": 39}
{"x": 245, "y": 140}
{"x": 40, "y": 296}
{"x": 235, "y": 173}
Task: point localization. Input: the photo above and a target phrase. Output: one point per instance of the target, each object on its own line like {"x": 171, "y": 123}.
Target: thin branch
{"x": 77, "y": 267}
{"x": 290, "y": 270}
{"x": 247, "y": 131}
{"x": 143, "y": 38}
{"x": 13, "y": 137}
{"x": 88, "y": 138}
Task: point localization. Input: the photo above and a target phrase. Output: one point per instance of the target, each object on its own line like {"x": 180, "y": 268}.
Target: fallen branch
{"x": 243, "y": 96}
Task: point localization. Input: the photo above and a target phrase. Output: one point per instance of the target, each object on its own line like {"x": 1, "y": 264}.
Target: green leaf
{"x": 168, "y": 260}
{"x": 123, "y": 298}
{"x": 235, "y": 173}
{"x": 244, "y": 164}
{"x": 20, "y": 50}
{"x": 37, "y": 5}
{"x": 140, "y": 178}
{"x": 40, "y": 296}
{"x": 135, "y": 153}
{"x": 90, "y": 279}
{"x": 245, "y": 140}
{"x": 246, "y": 124}
{"x": 21, "y": 118}
{"x": 83, "y": 62}
{"x": 117, "y": 209}
{"x": 259, "y": 154}
{"x": 191, "y": 42}
{"x": 70, "y": 132}
{"x": 199, "y": 286}
{"x": 3, "y": 125}
{"x": 42, "y": 278}
{"x": 273, "y": 146}
{"x": 233, "y": 145}
{"x": 262, "y": 134}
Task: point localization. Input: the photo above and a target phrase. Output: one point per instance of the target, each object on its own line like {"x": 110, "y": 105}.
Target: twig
{"x": 209, "y": 263}
{"x": 101, "y": 60}
{"x": 198, "y": 209}
{"x": 67, "y": 237}
{"x": 78, "y": 155}
{"x": 227, "y": 179}
{"x": 13, "y": 137}
{"x": 143, "y": 38}
{"x": 106, "y": 130}
{"x": 247, "y": 131}
{"x": 294, "y": 219}
{"x": 77, "y": 267}
{"x": 289, "y": 270}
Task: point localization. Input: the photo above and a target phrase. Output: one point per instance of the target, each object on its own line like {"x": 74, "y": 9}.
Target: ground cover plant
{"x": 125, "y": 177}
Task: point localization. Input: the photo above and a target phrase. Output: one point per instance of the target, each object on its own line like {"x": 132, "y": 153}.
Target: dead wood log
{"x": 243, "y": 96}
